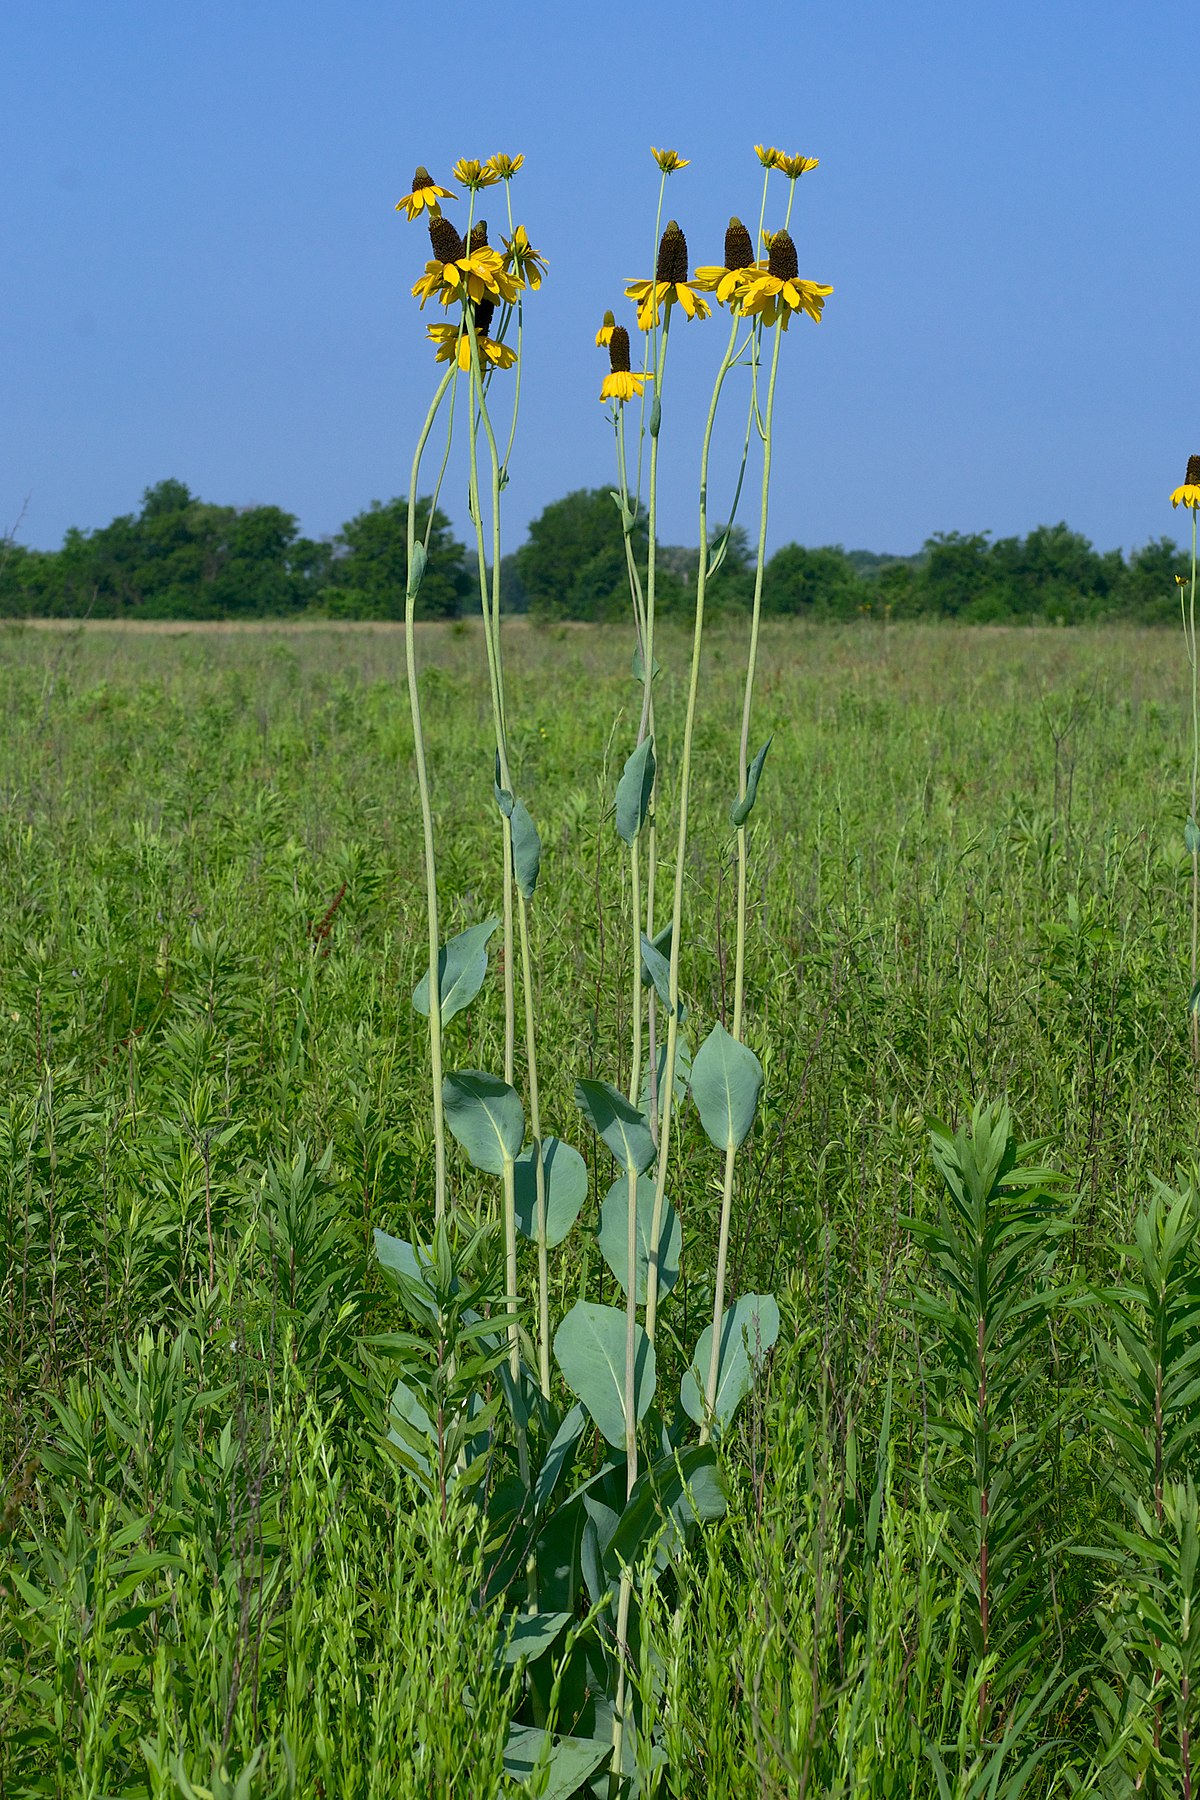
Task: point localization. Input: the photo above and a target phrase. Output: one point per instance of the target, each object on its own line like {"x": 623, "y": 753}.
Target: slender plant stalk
{"x": 431, "y": 905}
{"x": 739, "y": 963}
{"x": 685, "y": 774}
{"x": 714, "y": 1359}
{"x": 1190, "y": 635}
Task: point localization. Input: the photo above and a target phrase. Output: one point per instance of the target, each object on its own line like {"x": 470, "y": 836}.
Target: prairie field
{"x": 969, "y": 891}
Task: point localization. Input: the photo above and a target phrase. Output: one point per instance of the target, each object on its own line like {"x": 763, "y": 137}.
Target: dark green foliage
{"x": 572, "y": 564}
{"x": 370, "y": 567}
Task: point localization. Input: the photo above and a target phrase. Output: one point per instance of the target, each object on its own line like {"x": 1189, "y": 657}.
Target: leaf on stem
{"x": 614, "y": 1236}
{"x": 566, "y": 1186}
{"x": 462, "y": 965}
{"x": 743, "y": 806}
{"x": 634, "y": 790}
{"x": 486, "y": 1116}
{"x": 589, "y": 1347}
{"x": 727, "y": 1078}
{"x": 618, "y": 1122}
{"x": 749, "y": 1329}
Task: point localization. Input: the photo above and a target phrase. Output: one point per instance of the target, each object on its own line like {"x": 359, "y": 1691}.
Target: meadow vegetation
{"x": 955, "y": 1543}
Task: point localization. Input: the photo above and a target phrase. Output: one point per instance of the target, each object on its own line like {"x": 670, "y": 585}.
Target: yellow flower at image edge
{"x": 779, "y": 292}
{"x": 425, "y": 193}
{"x": 463, "y": 272}
{"x": 1189, "y": 493}
{"x": 670, "y": 283}
{"x": 622, "y": 383}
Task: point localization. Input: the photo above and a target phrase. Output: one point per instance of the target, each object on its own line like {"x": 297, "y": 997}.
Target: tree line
{"x": 184, "y": 558}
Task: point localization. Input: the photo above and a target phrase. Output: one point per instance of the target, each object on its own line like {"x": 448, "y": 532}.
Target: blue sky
{"x": 203, "y": 276}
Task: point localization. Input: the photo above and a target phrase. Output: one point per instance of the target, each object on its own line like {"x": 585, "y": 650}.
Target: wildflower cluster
{"x": 470, "y": 272}
{"x": 768, "y": 289}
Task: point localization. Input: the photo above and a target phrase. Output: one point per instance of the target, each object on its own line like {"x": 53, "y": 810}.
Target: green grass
{"x": 968, "y": 879}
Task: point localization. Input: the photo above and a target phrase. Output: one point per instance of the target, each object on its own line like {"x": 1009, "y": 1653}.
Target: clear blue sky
{"x": 203, "y": 275}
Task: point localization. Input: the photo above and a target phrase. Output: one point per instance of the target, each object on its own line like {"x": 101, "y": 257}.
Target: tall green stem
{"x": 1192, "y": 815}
{"x": 666, "y": 1094}
{"x": 431, "y": 902}
{"x": 739, "y": 964}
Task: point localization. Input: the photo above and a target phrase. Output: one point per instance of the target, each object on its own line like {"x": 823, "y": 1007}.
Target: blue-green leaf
{"x": 566, "y": 1185}
{"x": 668, "y": 1498}
{"x": 566, "y": 1762}
{"x": 743, "y": 806}
{"x": 589, "y": 1346}
{"x": 486, "y": 1116}
{"x": 462, "y": 965}
{"x": 614, "y": 1236}
{"x": 527, "y": 849}
{"x": 531, "y": 1636}
{"x": 655, "y": 964}
{"x": 618, "y": 1122}
{"x": 416, "y": 570}
{"x": 1191, "y": 837}
{"x": 504, "y": 799}
{"x": 661, "y": 943}
{"x": 726, "y": 1080}
{"x": 634, "y": 790}
{"x": 749, "y": 1329}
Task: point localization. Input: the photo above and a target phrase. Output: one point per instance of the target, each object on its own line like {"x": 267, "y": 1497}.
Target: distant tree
{"x": 367, "y": 579}
{"x": 1147, "y": 589}
{"x": 572, "y": 565}
{"x": 956, "y": 573}
{"x": 820, "y": 582}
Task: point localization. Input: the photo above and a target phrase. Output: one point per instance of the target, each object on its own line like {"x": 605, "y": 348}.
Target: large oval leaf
{"x": 726, "y": 1080}
{"x": 614, "y": 1236}
{"x": 486, "y": 1116}
{"x": 634, "y": 790}
{"x": 589, "y": 1346}
{"x": 566, "y": 1184}
{"x": 618, "y": 1122}
{"x": 462, "y": 965}
{"x": 749, "y": 1329}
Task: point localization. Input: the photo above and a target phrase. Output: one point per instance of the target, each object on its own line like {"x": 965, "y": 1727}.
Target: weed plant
{"x": 312, "y": 1484}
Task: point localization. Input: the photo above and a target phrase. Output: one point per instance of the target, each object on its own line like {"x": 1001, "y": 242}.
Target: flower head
{"x": 768, "y": 156}
{"x": 739, "y": 267}
{"x": 670, "y": 283}
{"x": 425, "y": 193}
{"x": 795, "y": 166}
{"x": 504, "y": 167}
{"x": 475, "y": 174}
{"x": 461, "y": 271}
{"x": 454, "y": 341}
{"x": 622, "y": 383}
{"x": 1189, "y": 493}
{"x": 522, "y": 260}
{"x": 604, "y": 335}
{"x": 779, "y": 292}
{"x": 668, "y": 160}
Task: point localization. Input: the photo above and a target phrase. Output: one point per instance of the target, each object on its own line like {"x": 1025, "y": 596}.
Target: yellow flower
{"x": 1182, "y": 581}
{"x": 779, "y": 292}
{"x": 795, "y": 166}
{"x": 505, "y": 166}
{"x": 739, "y": 266}
{"x": 1189, "y": 493}
{"x": 670, "y": 283}
{"x": 604, "y": 335}
{"x": 454, "y": 342}
{"x": 463, "y": 272}
{"x": 475, "y": 174}
{"x": 622, "y": 383}
{"x": 769, "y": 158}
{"x": 522, "y": 260}
{"x": 668, "y": 160}
{"x": 425, "y": 192}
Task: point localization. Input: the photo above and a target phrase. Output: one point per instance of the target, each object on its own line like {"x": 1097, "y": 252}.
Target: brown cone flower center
{"x": 618, "y": 351}
{"x": 739, "y": 251}
{"x": 784, "y": 264}
{"x": 447, "y": 245}
{"x": 485, "y": 312}
{"x": 672, "y": 255}
{"x": 1192, "y": 478}
{"x": 422, "y": 179}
